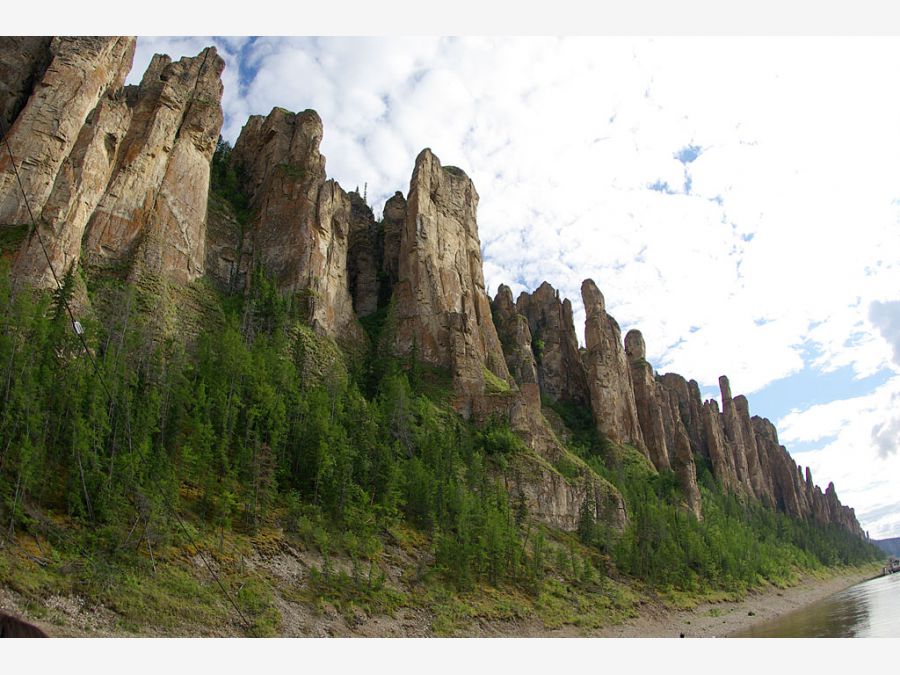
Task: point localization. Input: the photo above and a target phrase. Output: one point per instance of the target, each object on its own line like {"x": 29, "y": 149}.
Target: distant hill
{"x": 889, "y": 546}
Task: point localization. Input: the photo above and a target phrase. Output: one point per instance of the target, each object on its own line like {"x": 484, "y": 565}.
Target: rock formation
{"x": 664, "y": 432}
{"x": 394, "y": 220}
{"x": 608, "y": 374}
{"x": 362, "y": 257}
{"x": 300, "y": 228}
{"x": 23, "y": 61}
{"x": 50, "y": 144}
{"x": 152, "y": 217}
{"x": 121, "y": 175}
{"x": 647, "y": 400}
{"x": 561, "y": 373}
{"x": 515, "y": 337}
{"x": 118, "y": 179}
{"x": 441, "y": 306}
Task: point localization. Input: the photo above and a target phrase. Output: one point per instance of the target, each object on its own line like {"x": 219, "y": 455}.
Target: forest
{"x": 141, "y": 445}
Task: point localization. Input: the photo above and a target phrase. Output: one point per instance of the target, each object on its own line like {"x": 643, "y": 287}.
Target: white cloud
{"x": 860, "y": 439}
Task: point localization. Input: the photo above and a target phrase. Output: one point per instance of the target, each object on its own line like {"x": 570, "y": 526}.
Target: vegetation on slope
{"x": 259, "y": 437}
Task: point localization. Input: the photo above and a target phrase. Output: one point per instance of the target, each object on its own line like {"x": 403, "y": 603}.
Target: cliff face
{"x": 561, "y": 373}
{"x": 608, "y": 374}
{"x": 120, "y": 175}
{"x": 300, "y": 228}
{"x": 441, "y": 305}
{"x": 118, "y": 179}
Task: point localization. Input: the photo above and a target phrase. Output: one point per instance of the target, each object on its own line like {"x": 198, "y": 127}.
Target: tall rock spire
{"x": 608, "y": 374}
{"x": 442, "y": 309}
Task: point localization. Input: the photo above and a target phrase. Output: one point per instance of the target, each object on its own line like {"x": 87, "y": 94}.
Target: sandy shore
{"x": 723, "y": 619}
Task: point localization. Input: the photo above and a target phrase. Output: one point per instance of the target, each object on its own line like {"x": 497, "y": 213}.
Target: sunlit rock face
{"x": 152, "y": 217}
{"x": 301, "y": 223}
{"x": 442, "y": 309}
{"x": 63, "y": 99}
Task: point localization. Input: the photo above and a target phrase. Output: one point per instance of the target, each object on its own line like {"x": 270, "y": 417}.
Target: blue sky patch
{"x": 810, "y": 387}
{"x": 661, "y": 186}
{"x": 688, "y": 154}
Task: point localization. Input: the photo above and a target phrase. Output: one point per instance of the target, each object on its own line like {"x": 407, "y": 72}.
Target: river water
{"x": 869, "y": 609}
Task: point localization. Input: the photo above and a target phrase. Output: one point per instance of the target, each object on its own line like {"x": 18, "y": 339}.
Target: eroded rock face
{"x": 554, "y": 499}
{"x": 784, "y": 474}
{"x": 515, "y": 337}
{"x": 608, "y": 374}
{"x": 278, "y": 155}
{"x": 442, "y": 309}
{"x": 757, "y": 462}
{"x": 687, "y": 396}
{"x": 80, "y": 73}
{"x": 394, "y": 221}
{"x": 681, "y": 456}
{"x": 152, "y": 217}
{"x": 733, "y": 435}
{"x": 561, "y": 373}
{"x": 720, "y": 455}
{"x": 362, "y": 257}
{"x": 665, "y": 436}
{"x": 647, "y": 401}
{"x": 301, "y": 223}
{"x": 63, "y": 141}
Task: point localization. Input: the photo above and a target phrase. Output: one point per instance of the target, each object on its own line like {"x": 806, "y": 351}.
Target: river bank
{"x": 723, "y": 619}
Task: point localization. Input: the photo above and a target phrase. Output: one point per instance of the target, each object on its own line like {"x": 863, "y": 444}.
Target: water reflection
{"x": 869, "y": 609}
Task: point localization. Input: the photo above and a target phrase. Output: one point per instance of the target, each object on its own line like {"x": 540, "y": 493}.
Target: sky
{"x": 736, "y": 199}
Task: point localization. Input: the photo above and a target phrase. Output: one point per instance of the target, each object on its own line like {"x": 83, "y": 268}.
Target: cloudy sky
{"x": 737, "y": 199}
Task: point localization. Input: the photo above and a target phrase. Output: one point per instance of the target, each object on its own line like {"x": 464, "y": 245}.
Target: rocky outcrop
{"x": 608, "y": 374}
{"x": 690, "y": 405}
{"x": 122, "y": 176}
{"x": 393, "y": 223}
{"x": 152, "y": 218}
{"x": 784, "y": 474}
{"x": 717, "y": 448}
{"x": 300, "y": 228}
{"x": 757, "y": 462}
{"x": 442, "y": 309}
{"x": 734, "y": 435}
{"x": 283, "y": 172}
{"x": 681, "y": 457}
{"x": 63, "y": 142}
{"x": 561, "y": 373}
{"x": 648, "y": 401}
{"x": 665, "y": 435}
{"x": 362, "y": 257}
{"x": 515, "y": 337}
{"x": 80, "y": 73}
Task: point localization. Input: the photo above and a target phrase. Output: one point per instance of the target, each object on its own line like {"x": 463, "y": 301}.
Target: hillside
{"x": 889, "y": 546}
{"x": 283, "y": 408}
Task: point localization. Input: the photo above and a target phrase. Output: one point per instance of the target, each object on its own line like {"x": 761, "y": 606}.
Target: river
{"x": 869, "y": 609}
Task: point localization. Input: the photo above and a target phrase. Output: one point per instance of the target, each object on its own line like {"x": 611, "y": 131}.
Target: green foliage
{"x": 225, "y": 181}
{"x": 537, "y": 347}
{"x": 734, "y": 547}
{"x": 291, "y": 170}
{"x": 493, "y": 384}
{"x": 240, "y": 435}
{"x": 12, "y": 236}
